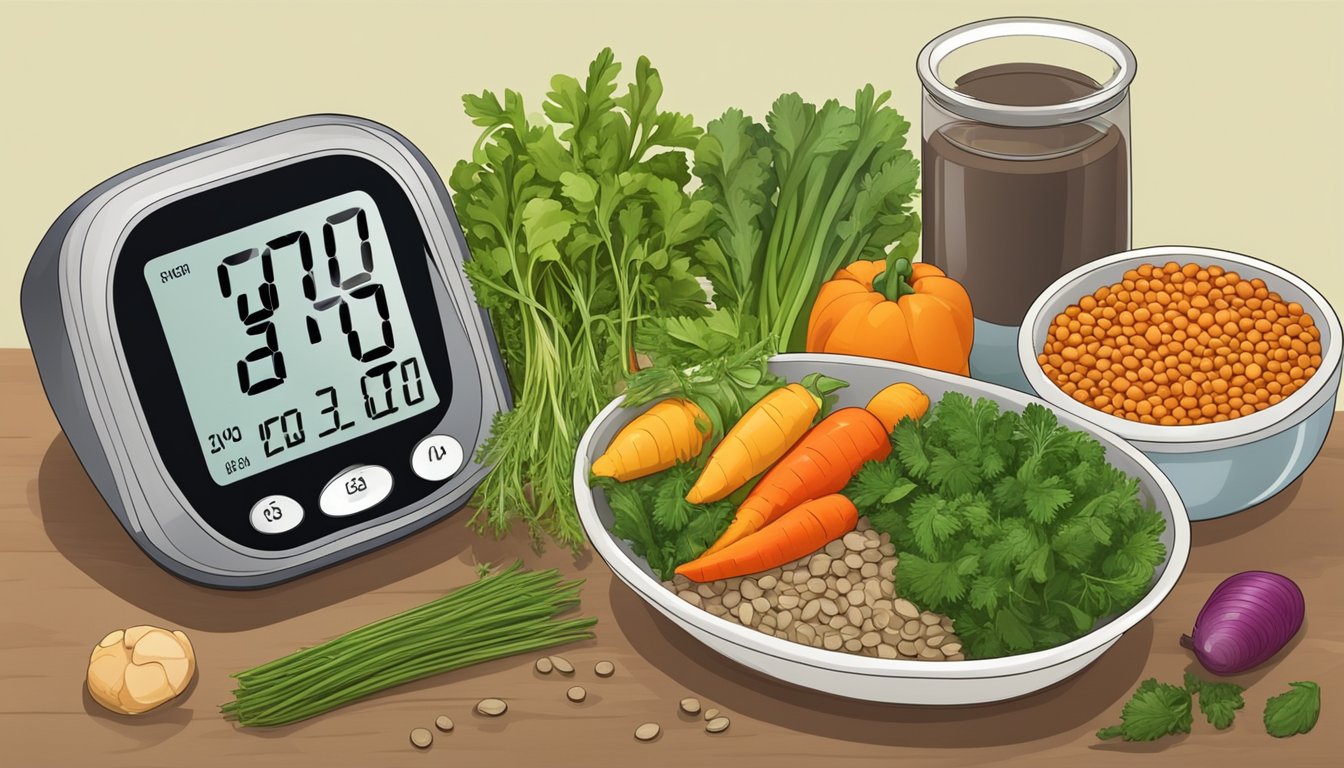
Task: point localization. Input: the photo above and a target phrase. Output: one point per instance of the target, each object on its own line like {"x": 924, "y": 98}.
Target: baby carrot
{"x": 800, "y": 531}
{"x": 825, "y": 459}
{"x": 764, "y": 433}
{"x": 672, "y": 431}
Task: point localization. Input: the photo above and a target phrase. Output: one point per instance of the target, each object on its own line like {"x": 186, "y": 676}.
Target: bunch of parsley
{"x": 812, "y": 190}
{"x": 580, "y": 229}
{"x": 1015, "y": 526}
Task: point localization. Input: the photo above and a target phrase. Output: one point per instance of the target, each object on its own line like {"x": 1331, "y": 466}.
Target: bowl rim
{"x": 1278, "y": 417}
{"x": 681, "y": 611}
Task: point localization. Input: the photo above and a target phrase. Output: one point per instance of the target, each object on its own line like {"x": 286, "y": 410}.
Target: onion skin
{"x": 1249, "y": 617}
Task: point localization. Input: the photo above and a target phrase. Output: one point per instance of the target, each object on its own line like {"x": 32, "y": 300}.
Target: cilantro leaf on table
{"x": 1011, "y": 522}
{"x": 1293, "y": 712}
{"x": 1155, "y": 710}
{"x": 1218, "y": 701}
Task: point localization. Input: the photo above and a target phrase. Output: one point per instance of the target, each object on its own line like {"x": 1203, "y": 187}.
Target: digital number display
{"x": 290, "y": 335}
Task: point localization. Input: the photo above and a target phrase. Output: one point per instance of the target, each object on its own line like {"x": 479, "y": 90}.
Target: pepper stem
{"x": 894, "y": 282}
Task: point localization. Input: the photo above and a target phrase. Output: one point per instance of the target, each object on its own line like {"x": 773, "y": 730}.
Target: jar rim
{"x": 1106, "y": 98}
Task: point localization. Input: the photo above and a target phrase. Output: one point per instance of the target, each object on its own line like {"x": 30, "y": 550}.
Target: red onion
{"x": 1247, "y": 619}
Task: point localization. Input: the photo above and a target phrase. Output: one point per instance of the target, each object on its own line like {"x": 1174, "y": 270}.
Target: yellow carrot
{"x": 764, "y": 433}
{"x": 896, "y": 402}
{"x": 801, "y": 531}
{"x": 672, "y": 431}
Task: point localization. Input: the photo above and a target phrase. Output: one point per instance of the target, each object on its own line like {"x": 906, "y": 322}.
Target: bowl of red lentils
{"x": 1223, "y": 369}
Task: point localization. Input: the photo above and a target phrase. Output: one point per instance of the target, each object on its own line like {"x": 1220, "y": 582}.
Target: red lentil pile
{"x": 1181, "y": 344}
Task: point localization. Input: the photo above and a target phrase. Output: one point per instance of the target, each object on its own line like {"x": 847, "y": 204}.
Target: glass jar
{"x": 1026, "y": 171}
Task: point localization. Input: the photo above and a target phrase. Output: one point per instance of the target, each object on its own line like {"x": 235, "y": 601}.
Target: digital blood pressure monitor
{"x": 264, "y": 350}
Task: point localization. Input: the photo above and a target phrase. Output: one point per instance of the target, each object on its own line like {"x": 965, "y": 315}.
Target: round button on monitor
{"x": 437, "y": 457}
{"x": 355, "y": 490}
{"x": 276, "y": 514}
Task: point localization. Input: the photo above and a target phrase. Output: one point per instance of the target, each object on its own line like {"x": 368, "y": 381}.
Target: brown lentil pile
{"x": 841, "y": 598}
{"x": 1182, "y": 344}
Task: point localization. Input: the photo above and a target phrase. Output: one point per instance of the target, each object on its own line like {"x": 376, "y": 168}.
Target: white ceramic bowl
{"x": 861, "y": 677}
{"x": 1219, "y": 468}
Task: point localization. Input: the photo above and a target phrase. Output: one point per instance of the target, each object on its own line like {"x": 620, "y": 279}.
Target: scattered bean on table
{"x": 647, "y": 731}
{"x": 443, "y": 723}
{"x": 421, "y": 737}
{"x": 492, "y": 707}
{"x": 717, "y": 725}
{"x": 604, "y": 669}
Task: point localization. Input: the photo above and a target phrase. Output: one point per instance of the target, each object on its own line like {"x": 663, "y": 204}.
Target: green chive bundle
{"x": 513, "y": 611}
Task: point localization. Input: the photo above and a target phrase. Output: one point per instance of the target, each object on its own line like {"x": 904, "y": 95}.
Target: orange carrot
{"x": 672, "y": 431}
{"x": 821, "y": 463}
{"x": 826, "y": 459}
{"x": 799, "y": 532}
{"x": 757, "y": 440}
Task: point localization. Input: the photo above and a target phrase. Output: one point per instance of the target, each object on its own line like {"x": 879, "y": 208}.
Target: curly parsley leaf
{"x": 878, "y": 484}
{"x": 1218, "y": 701}
{"x": 910, "y": 449}
{"x": 938, "y": 583}
{"x": 662, "y": 527}
{"x": 1293, "y": 712}
{"x": 932, "y": 522}
{"x": 1045, "y": 498}
{"x": 1155, "y": 710}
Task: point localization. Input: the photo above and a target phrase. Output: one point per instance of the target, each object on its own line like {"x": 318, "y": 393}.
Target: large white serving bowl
{"x": 861, "y": 677}
{"x": 1218, "y": 468}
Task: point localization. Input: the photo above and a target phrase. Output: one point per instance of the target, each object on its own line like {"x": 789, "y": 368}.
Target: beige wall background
{"x": 1237, "y": 107}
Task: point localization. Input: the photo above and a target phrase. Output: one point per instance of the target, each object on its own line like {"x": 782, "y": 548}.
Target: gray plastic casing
{"x": 68, "y": 315}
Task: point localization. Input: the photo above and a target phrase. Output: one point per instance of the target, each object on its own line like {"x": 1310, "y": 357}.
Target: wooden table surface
{"x": 69, "y": 574}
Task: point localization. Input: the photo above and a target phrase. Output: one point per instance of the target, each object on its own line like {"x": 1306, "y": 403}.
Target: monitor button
{"x": 437, "y": 457}
{"x": 355, "y": 490}
{"x": 276, "y": 514}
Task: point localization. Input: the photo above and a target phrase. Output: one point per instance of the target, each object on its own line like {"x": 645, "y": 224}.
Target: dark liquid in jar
{"x": 1009, "y": 210}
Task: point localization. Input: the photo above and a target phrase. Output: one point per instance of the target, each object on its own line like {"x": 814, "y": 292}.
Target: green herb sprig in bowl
{"x": 1010, "y": 522}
